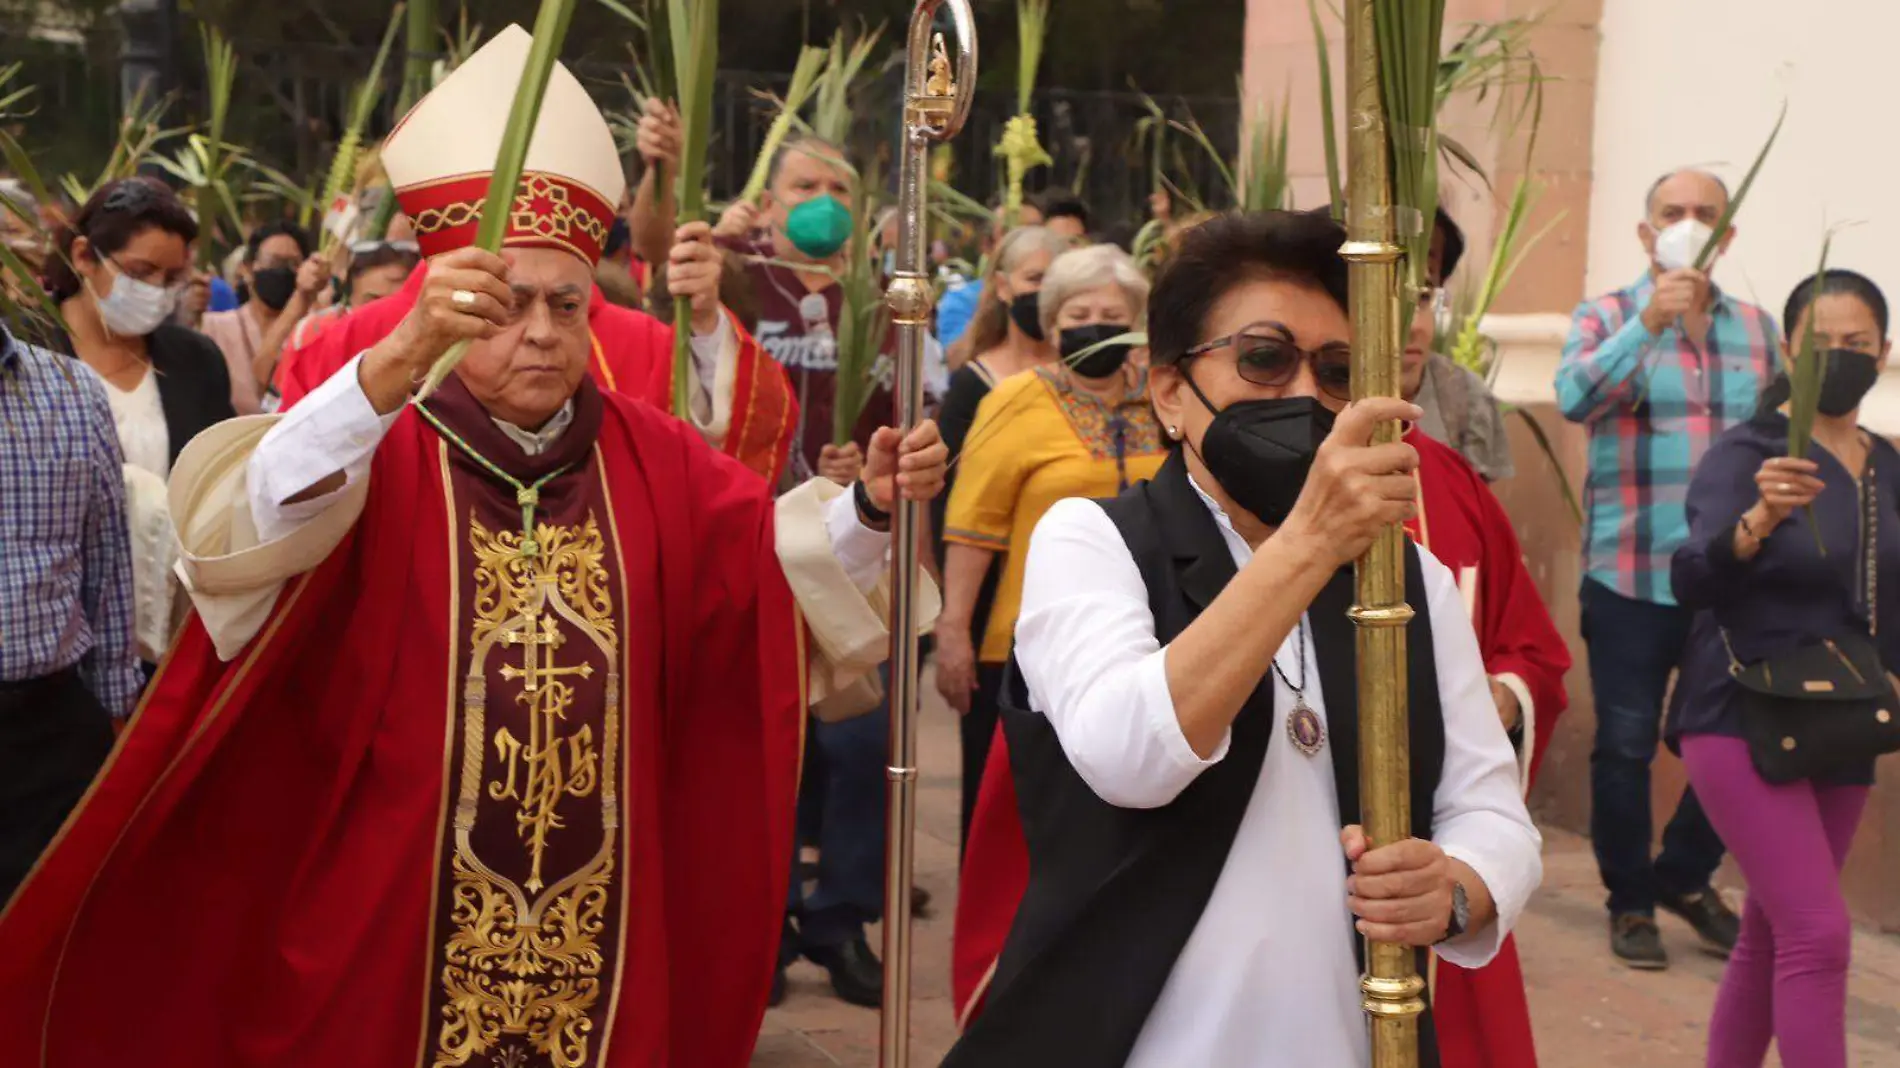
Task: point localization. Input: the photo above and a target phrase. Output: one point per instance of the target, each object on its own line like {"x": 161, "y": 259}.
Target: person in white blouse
{"x": 1183, "y": 723}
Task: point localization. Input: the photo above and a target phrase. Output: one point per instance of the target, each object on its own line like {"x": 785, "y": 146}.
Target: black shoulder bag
{"x": 1829, "y": 705}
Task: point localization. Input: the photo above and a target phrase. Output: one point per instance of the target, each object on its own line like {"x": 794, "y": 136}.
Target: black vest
{"x": 1114, "y": 893}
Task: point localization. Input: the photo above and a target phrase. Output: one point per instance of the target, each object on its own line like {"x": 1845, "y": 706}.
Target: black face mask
{"x": 274, "y": 286}
{"x": 1026, "y": 312}
{"x": 1102, "y": 362}
{"x": 1850, "y": 374}
{"x": 1260, "y": 451}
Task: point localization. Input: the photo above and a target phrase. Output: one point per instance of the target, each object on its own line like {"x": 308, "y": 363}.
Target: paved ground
{"x": 1588, "y": 1012}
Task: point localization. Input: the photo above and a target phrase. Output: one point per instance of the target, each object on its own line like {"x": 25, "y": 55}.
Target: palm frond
{"x": 1727, "y": 221}
{"x": 550, "y": 31}
{"x": 1409, "y": 34}
{"x": 1806, "y": 374}
{"x": 864, "y": 321}
{"x": 832, "y": 115}
{"x": 344, "y": 166}
{"x": 1329, "y": 133}
{"x": 694, "y": 31}
{"x": 1549, "y": 449}
{"x": 1032, "y": 32}
{"x": 805, "y": 75}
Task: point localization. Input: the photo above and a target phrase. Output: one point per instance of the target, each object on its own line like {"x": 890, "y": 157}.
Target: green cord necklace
{"x": 526, "y": 496}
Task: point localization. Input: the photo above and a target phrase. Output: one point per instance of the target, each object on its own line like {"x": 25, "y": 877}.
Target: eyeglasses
{"x": 151, "y": 275}
{"x": 369, "y": 248}
{"x": 1264, "y": 356}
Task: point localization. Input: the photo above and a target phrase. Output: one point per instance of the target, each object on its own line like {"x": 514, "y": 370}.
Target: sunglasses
{"x": 1264, "y": 356}
{"x": 368, "y": 248}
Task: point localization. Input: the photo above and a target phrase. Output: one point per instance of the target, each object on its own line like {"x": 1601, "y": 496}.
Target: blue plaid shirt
{"x": 65, "y": 548}
{"x": 1653, "y": 404}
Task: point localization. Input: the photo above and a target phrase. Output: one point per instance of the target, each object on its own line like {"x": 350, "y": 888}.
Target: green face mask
{"x": 819, "y": 227}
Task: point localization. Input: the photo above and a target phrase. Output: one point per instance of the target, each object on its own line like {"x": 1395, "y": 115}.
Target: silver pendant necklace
{"x": 1303, "y": 726}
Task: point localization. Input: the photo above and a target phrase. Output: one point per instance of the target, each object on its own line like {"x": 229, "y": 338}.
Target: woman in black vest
{"x": 1182, "y": 721}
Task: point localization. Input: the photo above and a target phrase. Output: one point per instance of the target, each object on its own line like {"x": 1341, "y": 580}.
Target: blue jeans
{"x": 1634, "y": 647}
{"x": 841, "y": 811}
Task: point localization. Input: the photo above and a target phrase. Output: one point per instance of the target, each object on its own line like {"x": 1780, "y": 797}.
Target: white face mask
{"x": 1679, "y": 245}
{"x": 134, "y": 308}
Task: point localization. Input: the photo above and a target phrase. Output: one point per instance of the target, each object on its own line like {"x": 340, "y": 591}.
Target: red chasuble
{"x": 633, "y": 355}
{"x": 1482, "y": 1017}
{"x": 461, "y": 801}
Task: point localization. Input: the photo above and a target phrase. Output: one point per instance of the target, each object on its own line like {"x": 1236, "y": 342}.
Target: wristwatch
{"x": 1460, "y": 913}
{"x": 872, "y": 515}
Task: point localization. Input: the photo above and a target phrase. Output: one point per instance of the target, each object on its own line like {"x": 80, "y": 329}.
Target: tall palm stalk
{"x": 694, "y": 29}
{"x": 550, "y": 31}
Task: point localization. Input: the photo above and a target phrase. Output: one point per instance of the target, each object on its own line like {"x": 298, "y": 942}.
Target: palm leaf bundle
{"x": 865, "y": 320}
{"x": 24, "y": 306}
{"x": 1020, "y": 147}
{"x": 1151, "y": 139}
{"x": 1410, "y": 33}
{"x": 550, "y": 31}
{"x": 205, "y": 164}
{"x": 694, "y": 30}
{"x": 343, "y": 173}
{"x": 1727, "y": 221}
{"x": 1469, "y": 347}
{"x": 832, "y": 116}
{"x": 1265, "y": 182}
{"x": 805, "y": 75}
{"x": 1489, "y": 59}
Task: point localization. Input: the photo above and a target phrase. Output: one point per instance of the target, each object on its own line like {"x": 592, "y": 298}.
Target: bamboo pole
{"x": 1392, "y": 986}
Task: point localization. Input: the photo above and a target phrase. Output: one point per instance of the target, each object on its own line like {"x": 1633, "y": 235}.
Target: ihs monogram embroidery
{"x": 528, "y": 942}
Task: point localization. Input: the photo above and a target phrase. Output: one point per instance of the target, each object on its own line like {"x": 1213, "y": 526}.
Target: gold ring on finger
{"x": 463, "y": 298}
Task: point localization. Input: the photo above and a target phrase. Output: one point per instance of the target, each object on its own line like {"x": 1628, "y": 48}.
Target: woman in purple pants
{"x": 1754, "y": 569}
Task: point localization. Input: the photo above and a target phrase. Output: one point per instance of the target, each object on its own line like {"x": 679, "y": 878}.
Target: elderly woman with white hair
{"x": 1080, "y": 426}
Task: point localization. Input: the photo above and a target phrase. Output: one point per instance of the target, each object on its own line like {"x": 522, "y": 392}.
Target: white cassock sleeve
{"x": 1086, "y": 645}
{"x": 716, "y": 367}
{"x": 241, "y": 539}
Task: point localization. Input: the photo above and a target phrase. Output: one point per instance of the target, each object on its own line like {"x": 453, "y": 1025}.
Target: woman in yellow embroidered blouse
{"x": 1081, "y": 428}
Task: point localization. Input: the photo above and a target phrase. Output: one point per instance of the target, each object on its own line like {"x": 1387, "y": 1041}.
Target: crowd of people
{"x": 657, "y": 775}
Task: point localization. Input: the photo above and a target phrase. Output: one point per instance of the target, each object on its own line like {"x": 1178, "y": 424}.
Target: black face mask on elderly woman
{"x": 1260, "y": 451}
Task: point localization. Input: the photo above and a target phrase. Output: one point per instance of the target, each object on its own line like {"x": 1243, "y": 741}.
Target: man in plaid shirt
{"x": 68, "y": 659}
{"x": 1655, "y": 372}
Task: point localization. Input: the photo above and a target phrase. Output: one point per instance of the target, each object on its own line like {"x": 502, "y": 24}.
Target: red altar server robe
{"x": 633, "y": 354}
{"x": 457, "y": 801}
{"x": 1482, "y": 1017}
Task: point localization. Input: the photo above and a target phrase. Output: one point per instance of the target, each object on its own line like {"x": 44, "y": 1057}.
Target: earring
{"x": 1174, "y": 432}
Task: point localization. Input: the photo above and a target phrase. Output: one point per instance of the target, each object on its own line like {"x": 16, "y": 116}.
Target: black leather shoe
{"x": 920, "y": 902}
{"x": 1711, "y": 917}
{"x": 1637, "y": 942}
{"x": 856, "y": 974}
{"x": 778, "y": 989}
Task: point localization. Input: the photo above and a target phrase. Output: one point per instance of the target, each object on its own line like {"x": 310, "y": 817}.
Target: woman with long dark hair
{"x": 117, "y": 272}
{"x": 1793, "y": 568}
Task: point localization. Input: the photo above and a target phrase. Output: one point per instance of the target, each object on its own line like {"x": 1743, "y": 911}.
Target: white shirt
{"x": 336, "y": 429}
{"x": 1268, "y": 978}
{"x": 140, "y": 419}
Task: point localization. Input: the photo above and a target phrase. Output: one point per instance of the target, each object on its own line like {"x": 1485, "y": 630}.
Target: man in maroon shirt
{"x": 804, "y": 219}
